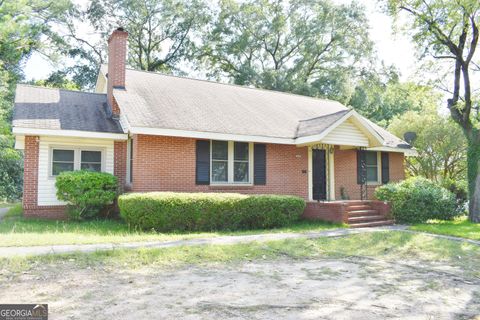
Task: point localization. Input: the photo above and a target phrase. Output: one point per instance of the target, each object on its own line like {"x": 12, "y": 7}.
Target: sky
{"x": 392, "y": 48}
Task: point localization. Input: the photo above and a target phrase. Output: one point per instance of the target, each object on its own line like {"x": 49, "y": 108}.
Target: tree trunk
{"x": 473, "y": 162}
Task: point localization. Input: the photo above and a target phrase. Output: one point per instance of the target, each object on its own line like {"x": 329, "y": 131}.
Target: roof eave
{"x": 22, "y": 131}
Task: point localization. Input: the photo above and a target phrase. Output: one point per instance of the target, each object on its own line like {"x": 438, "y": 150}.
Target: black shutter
{"x": 202, "y": 172}
{"x": 385, "y": 168}
{"x": 361, "y": 167}
{"x": 259, "y": 164}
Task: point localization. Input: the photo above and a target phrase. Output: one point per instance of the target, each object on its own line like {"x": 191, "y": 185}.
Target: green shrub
{"x": 459, "y": 188}
{"x": 165, "y": 211}
{"x": 87, "y": 193}
{"x": 417, "y": 200}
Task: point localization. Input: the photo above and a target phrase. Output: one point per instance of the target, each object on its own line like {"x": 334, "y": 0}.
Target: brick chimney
{"x": 117, "y": 55}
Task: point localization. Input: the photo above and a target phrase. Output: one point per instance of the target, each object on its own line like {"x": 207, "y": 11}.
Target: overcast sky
{"x": 391, "y": 48}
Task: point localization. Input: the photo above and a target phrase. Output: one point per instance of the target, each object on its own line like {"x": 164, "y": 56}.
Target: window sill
{"x": 230, "y": 185}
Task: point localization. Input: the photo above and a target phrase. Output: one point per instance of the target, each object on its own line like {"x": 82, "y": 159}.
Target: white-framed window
{"x": 372, "y": 161}
{"x": 71, "y": 159}
{"x": 62, "y": 160}
{"x": 231, "y": 162}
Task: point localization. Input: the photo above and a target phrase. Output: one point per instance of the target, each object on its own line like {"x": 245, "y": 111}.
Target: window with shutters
{"x": 231, "y": 162}
{"x": 372, "y": 161}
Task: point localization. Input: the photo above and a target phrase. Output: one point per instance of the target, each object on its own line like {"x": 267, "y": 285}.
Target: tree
{"x": 381, "y": 96}
{"x": 161, "y": 32}
{"x": 25, "y": 26}
{"x": 447, "y": 30}
{"x": 308, "y": 47}
{"x": 441, "y": 146}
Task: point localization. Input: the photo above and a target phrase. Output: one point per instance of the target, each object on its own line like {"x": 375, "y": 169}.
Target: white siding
{"x": 46, "y": 183}
{"x": 346, "y": 134}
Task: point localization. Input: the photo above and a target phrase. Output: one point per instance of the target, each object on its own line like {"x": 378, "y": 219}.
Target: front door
{"x": 319, "y": 175}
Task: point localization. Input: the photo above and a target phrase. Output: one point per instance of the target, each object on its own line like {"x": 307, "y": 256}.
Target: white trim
{"x": 231, "y": 165}
{"x": 310, "y": 174}
{"x": 331, "y": 168}
{"x": 209, "y": 135}
{"x": 316, "y": 138}
{"x": 351, "y": 114}
{"x": 407, "y": 152}
{"x": 368, "y": 127}
{"x": 329, "y": 174}
{"x": 77, "y": 157}
{"x": 69, "y": 133}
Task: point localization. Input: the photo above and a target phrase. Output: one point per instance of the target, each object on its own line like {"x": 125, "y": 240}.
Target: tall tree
{"x": 447, "y": 30}
{"x": 161, "y": 32}
{"x": 381, "y": 96}
{"x": 307, "y": 47}
{"x": 25, "y": 26}
{"x": 440, "y": 143}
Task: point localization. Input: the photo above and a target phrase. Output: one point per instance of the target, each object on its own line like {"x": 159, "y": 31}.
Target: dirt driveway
{"x": 287, "y": 288}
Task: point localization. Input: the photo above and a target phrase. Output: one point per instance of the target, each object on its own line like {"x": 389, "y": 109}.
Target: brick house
{"x": 158, "y": 132}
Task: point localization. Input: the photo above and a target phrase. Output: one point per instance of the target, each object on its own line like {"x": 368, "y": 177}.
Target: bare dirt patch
{"x": 285, "y": 288}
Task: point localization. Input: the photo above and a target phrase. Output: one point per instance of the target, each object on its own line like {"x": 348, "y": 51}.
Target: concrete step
{"x": 371, "y": 224}
{"x": 357, "y": 213}
{"x": 365, "y": 219}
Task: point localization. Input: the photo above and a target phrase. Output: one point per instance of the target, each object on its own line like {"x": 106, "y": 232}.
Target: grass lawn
{"x": 17, "y": 231}
{"x": 460, "y": 227}
{"x": 391, "y": 246}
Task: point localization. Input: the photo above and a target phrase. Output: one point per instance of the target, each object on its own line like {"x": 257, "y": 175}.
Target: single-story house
{"x": 159, "y": 132}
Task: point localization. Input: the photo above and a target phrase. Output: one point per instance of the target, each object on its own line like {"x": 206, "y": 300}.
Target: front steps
{"x": 362, "y": 214}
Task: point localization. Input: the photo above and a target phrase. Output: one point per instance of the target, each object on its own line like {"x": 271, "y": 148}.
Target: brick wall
{"x": 346, "y": 173}
{"x": 30, "y": 184}
{"x": 168, "y": 164}
{"x": 120, "y": 163}
{"x": 117, "y": 54}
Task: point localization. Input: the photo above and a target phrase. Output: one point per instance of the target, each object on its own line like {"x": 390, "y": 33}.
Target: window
{"x": 231, "y": 162}
{"x": 91, "y": 160}
{"x": 372, "y": 164}
{"x": 240, "y": 163}
{"x": 62, "y": 160}
{"x": 219, "y": 161}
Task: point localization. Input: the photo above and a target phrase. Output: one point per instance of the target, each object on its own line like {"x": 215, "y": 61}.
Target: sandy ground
{"x": 357, "y": 288}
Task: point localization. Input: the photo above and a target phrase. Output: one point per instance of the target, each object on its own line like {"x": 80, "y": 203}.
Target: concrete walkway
{"x": 220, "y": 240}
{"x": 6, "y": 252}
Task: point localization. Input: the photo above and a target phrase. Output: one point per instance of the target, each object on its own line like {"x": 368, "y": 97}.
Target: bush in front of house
{"x": 416, "y": 200}
{"x": 87, "y": 193}
{"x": 166, "y": 211}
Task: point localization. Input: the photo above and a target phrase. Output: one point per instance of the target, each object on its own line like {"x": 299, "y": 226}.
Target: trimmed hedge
{"x": 166, "y": 211}
{"x": 417, "y": 200}
{"x": 87, "y": 193}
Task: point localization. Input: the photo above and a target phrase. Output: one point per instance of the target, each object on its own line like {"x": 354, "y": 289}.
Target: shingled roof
{"x": 56, "y": 109}
{"x": 159, "y": 101}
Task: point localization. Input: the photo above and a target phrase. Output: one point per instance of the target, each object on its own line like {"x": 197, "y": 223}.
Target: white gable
{"x": 346, "y": 134}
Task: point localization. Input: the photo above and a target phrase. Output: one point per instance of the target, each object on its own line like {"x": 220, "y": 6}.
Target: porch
{"x": 355, "y": 213}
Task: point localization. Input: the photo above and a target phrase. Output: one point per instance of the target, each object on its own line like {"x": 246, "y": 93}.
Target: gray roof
{"x": 317, "y": 125}
{"x": 155, "y": 100}
{"x": 48, "y": 108}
